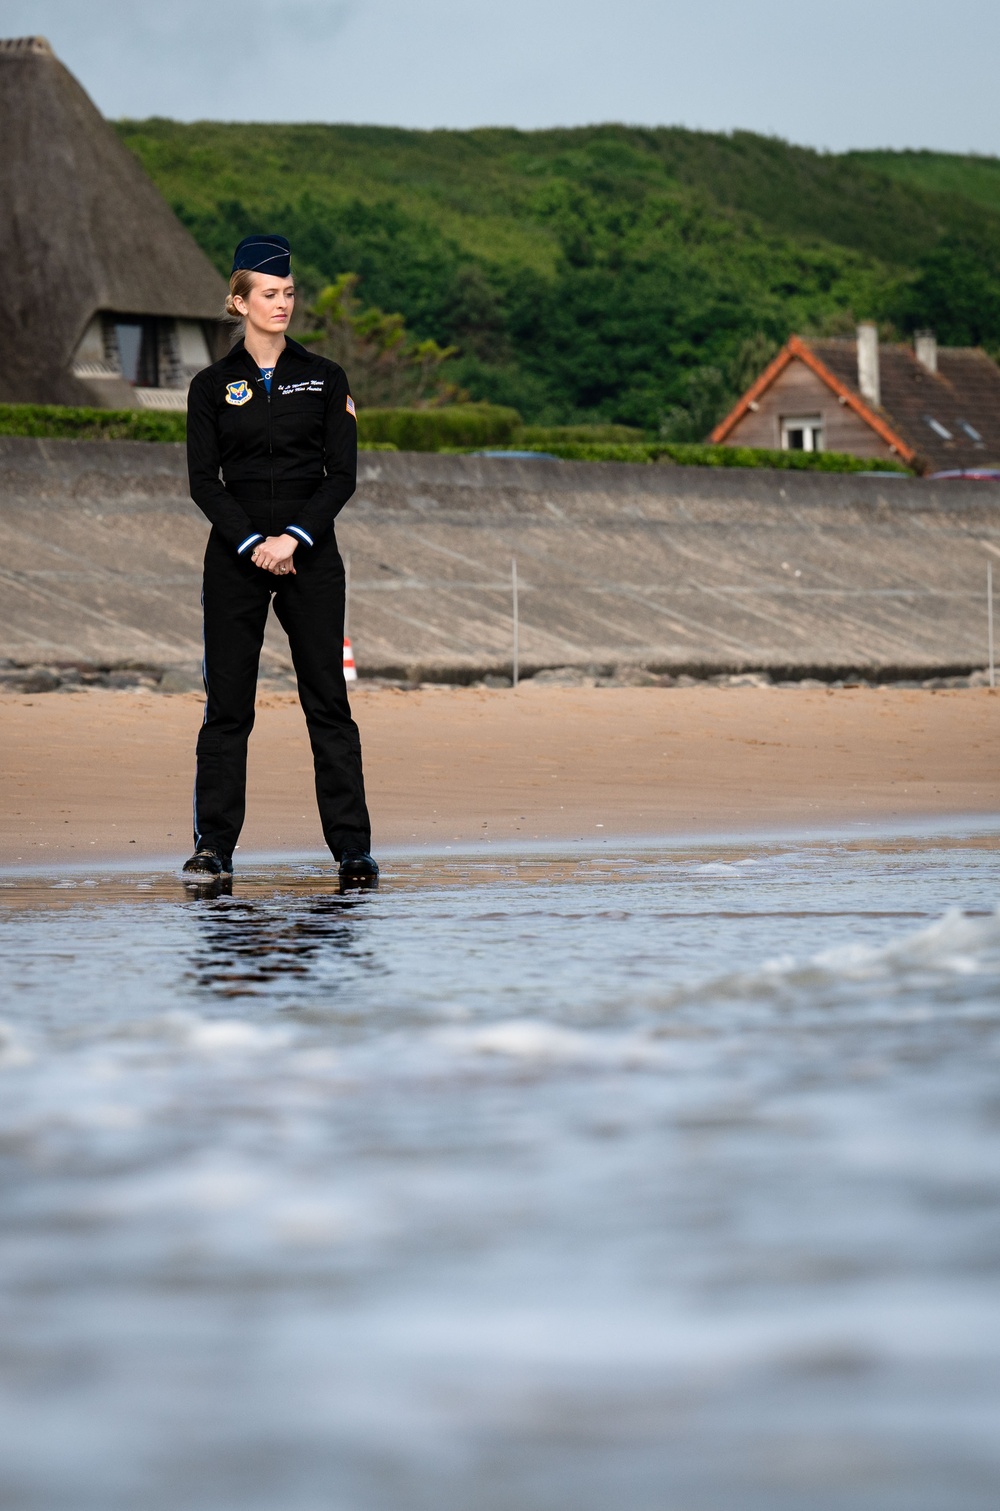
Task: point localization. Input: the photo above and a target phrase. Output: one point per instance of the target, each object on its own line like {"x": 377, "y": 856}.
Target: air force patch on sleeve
{"x": 239, "y": 393}
{"x": 350, "y": 407}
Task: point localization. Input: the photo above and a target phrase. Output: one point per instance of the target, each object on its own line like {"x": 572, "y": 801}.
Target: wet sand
{"x": 103, "y": 774}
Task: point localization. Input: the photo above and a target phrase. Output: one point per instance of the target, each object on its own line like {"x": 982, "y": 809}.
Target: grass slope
{"x": 971, "y": 178}
{"x": 603, "y": 273}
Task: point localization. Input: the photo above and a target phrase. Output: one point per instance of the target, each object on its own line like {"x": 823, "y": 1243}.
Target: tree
{"x": 710, "y": 392}
{"x": 956, "y": 294}
{"x": 388, "y": 367}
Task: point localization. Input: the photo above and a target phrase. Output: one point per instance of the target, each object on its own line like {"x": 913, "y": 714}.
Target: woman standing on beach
{"x": 272, "y": 459}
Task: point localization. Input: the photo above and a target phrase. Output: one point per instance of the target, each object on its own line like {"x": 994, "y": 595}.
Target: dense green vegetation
{"x": 603, "y": 274}
{"x": 389, "y": 366}
{"x": 971, "y": 177}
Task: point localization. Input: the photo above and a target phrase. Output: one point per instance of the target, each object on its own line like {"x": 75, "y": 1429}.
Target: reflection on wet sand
{"x": 246, "y": 945}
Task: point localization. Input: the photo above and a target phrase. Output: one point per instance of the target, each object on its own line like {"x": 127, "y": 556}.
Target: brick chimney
{"x": 868, "y": 375}
{"x": 925, "y": 348}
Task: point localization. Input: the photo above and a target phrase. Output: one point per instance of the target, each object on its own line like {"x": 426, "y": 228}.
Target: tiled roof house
{"x": 928, "y": 406}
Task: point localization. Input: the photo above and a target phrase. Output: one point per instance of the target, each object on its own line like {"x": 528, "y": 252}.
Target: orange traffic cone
{"x": 350, "y": 670}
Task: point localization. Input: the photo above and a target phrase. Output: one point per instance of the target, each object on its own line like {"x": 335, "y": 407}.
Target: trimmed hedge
{"x": 689, "y": 455}
{"x": 457, "y": 425}
{"x": 460, "y": 427}
{"x": 62, "y": 423}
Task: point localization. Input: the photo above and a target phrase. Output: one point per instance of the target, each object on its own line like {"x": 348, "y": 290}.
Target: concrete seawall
{"x": 682, "y": 569}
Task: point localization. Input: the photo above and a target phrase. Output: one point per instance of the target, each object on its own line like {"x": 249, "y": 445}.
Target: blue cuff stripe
{"x": 302, "y": 534}
{"x": 248, "y": 542}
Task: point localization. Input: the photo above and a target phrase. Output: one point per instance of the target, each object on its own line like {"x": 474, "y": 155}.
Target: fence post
{"x": 513, "y": 592}
{"x": 989, "y": 618}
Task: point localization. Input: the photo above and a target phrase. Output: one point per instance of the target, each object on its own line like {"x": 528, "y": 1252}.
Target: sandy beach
{"x": 102, "y": 774}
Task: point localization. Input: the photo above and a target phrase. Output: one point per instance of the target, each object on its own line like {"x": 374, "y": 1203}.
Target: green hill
{"x": 603, "y": 273}
{"x": 976, "y": 179}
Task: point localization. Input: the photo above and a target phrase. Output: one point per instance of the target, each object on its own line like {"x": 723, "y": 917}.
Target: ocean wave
{"x": 13, "y": 1050}
{"x": 537, "y": 1042}
{"x": 957, "y": 952}
{"x": 954, "y": 944}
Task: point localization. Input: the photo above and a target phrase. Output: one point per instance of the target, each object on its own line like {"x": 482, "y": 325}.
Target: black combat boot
{"x": 358, "y": 872}
{"x": 207, "y": 864}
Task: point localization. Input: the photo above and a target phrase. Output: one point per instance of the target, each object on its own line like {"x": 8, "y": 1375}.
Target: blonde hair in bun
{"x": 240, "y": 285}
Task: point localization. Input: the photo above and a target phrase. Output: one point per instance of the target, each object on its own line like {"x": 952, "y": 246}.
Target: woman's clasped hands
{"x": 275, "y": 555}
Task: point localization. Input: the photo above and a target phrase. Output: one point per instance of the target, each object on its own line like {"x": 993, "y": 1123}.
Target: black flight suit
{"x": 288, "y": 462}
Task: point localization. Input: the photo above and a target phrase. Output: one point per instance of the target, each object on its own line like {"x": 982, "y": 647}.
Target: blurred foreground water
{"x": 667, "y": 1181}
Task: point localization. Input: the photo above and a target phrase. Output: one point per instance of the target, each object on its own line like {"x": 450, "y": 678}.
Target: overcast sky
{"x": 857, "y": 73}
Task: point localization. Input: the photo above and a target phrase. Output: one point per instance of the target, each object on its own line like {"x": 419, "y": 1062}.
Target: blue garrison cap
{"x": 264, "y": 254}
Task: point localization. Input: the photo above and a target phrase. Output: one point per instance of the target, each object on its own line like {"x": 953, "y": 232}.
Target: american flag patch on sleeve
{"x": 350, "y": 407}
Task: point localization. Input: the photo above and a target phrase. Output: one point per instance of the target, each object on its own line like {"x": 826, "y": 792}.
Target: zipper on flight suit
{"x": 270, "y": 444}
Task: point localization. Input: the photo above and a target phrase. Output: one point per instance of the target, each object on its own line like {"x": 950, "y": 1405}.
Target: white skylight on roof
{"x": 970, "y": 430}
{"x": 938, "y": 428}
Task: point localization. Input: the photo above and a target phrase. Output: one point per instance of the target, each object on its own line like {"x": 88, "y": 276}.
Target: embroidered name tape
{"x": 314, "y": 385}
{"x": 350, "y": 407}
{"x": 239, "y": 393}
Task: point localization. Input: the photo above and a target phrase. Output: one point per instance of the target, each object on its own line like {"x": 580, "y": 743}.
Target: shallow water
{"x": 667, "y": 1180}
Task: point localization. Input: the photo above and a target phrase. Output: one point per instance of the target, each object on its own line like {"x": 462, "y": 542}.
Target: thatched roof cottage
{"x": 110, "y": 300}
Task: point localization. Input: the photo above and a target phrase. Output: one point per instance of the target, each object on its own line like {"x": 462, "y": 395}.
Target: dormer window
{"x": 802, "y": 432}
{"x": 141, "y": 360}
{"x": 138, "y": 352}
